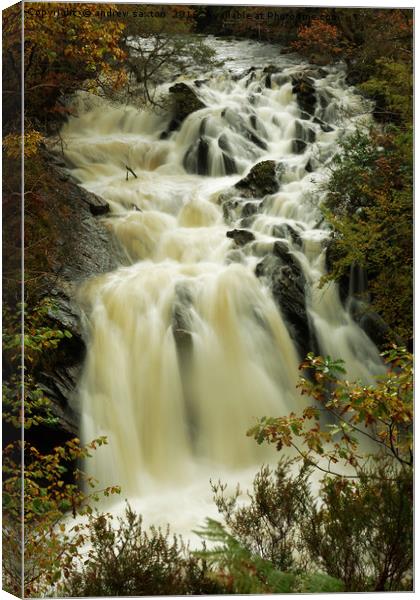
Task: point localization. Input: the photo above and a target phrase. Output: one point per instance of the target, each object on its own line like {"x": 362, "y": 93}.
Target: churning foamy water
{"x": 186, "y": 346}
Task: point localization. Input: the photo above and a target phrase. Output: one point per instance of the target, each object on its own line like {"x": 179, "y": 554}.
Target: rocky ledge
{"x": 79, "y": 246}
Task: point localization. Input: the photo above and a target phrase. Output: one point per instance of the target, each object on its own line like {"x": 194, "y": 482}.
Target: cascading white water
{"x": 186, "y": 345}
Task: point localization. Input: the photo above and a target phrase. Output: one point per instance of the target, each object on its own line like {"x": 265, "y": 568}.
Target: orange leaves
{"x": 68, "y": 45}
{"x": 319, "y": 37}
{"x": 12, "y": 143}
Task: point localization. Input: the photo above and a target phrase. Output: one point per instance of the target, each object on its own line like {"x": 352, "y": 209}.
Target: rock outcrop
{"x": 303, "y": 87}
{"x": 185, "y": 102}
{"x": 80, "y": 247}
{"x": 262, "y": 179}
{"x": 283, "y": 274}
{"x": 241, "y": 237}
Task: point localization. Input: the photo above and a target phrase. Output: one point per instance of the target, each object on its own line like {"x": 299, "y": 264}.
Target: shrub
{"x": 360, "y": 531}
{"x": 368, "y": 203}
{"x": 262, "y": 551}
{"x": 128, "y": 560}
{"x": 268, "y": 526}
{"x": 47, "y": 481}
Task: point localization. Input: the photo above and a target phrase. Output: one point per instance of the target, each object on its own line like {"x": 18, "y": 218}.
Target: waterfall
{"x": 187, "y": 345}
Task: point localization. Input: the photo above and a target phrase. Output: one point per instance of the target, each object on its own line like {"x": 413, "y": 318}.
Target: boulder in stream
{"x": 303, "y": 87}
{"x": 287, "y": 282}
{"x": 185, "y": 102}
{"x": 241, "y": 236}
{"x": 262, "y": 179}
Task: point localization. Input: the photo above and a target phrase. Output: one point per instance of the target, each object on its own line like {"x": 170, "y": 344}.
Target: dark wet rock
{"x": 247, "y": 222}
{"x": 316, "y": 73}
{"x": 241, "y": 236}
{"x": 250, "y": 79}
{"x": 185, "y": 102}
{"x": 250, "y": 208}
{"x": 257, "y": 125}
{"x": 223, "y": 143}
{"x": 286, "y": 231}
{"x": 372, "y": 324}
{"x": 237, "y": 123}
{"x": 180, "y": 319}
{"x": 298, "y": 146}
{"x": 197, "y": 156}
{"x": 353, "y": 77}
{"x": 253, "y": 121}
{"x": 324, "y": 126}
{"x": 270, "y": 69}
{"x": 324, "y": 99}
{"x": 228, "y": 160}
{"x": 286, "y": 50}
{"x": 304, "y": 133}
{"x": 255, "y": 139}
{"x": 97, "y": 206}
{"x": 308, "y": 167}
{"x": 181, "y": 329}
{"x": 283, "y": 274}
{"x": 80, "y": 247}
{"x": 303, "y": 87}
{"x": 202, "y": 156}
{"x": 245, "y": 73}
{"x": 262, "y": 179}
{"x": 202, "y": 130}
{"x": 60, "y": 387}
{"x": 267, "y": 81}
{"x": 229, "y": 206}
{"x": 200, "y": 82}
{"x": 229, "y": 164}
{"x": 282, "y": 251}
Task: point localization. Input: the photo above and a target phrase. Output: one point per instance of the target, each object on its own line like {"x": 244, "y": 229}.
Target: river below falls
{"x": 187, "y": 346}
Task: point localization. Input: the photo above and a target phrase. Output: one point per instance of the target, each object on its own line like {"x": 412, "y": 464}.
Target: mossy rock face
{"x": 185, "y": 103}
{"x": 262, "y": 179}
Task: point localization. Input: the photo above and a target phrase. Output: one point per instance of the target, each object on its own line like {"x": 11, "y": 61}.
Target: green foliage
{"x": 38, "y": 338}
{"x": 127, "y": 560}
{"x": 360, "y": 529}
{"x": 362, "y": 533}
{"x": 52, "y": 542}
{"x": 381, "y": 413}
{"x": 260, "y": 548}
{"x": 393, "y": 84}
{"x": 315, "y": 583}
{"x": 156, "y": 56}
{"x": 267, "y": 526}
{"x": 369, "y": 206}
{"x": 61, "y": 54}
{"x": 48, "y": 482}
{"x": 242, "y": 572}
{"x": 246, "y": 573}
